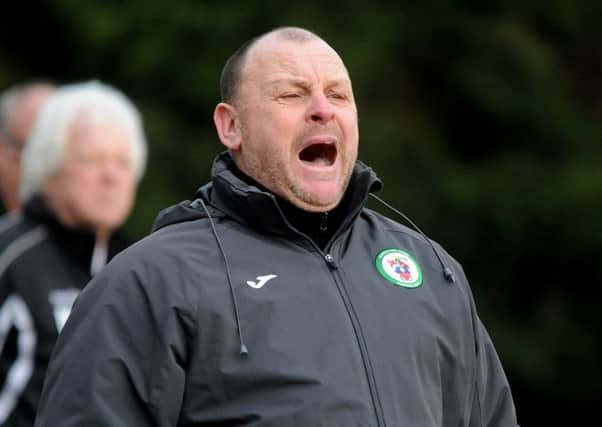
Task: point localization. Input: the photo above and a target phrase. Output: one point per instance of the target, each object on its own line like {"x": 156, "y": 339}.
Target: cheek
{"x": 78, "y": 195}
{"x": 274, "y": 124}
{"x": 73, "y": 180}
{"x": 127, "y": 180}
{"x": 349, "y": 123}
{"x": 351, "y": 134}
{"x": 128, "y": 191}
{"x": 84, "y": 181}
{"x": 123, "y": 191}
{"x": 84, "y": 188}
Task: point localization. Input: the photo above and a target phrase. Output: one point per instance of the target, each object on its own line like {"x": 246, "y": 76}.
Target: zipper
{"x": 359, "y": 336}
{"x": 355, "y": 324}
{"x": 324, "y": 222}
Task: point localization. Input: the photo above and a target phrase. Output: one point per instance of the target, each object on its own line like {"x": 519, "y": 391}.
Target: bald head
{"x": 19, "y": 108}
{"x": 233, "y": 69}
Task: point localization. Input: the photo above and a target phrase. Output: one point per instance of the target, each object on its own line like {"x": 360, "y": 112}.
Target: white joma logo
{"x": 261, "y": 280}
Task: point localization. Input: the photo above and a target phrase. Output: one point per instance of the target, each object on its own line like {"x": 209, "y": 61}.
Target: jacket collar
{"x": 77, "y": 243}
{"x": 248, "y": 203}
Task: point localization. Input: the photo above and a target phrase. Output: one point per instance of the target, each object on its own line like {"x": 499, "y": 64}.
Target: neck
{"x": 102, "y": 236}
{"x": 318, "y": 226}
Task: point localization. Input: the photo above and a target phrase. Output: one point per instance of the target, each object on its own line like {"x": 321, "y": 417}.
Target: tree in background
{"x": 484, "y": 122}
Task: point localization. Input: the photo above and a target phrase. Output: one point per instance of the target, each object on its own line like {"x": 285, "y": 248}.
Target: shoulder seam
{"x": 7, "y": 221}
{"x": 20, "y": 245}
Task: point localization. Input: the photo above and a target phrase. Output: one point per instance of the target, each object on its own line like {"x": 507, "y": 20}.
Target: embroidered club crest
{"x": 399, "y": 268}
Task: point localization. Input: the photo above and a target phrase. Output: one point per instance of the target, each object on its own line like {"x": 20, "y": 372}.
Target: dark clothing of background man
{"x": 43, "y": 266}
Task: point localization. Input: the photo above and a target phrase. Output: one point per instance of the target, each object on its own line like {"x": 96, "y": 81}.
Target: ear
{"x": 227, "y": 124}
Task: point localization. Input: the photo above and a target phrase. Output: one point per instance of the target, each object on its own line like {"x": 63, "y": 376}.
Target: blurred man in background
{"x": 80, "y": 169}
{"x": 19, "y": 107}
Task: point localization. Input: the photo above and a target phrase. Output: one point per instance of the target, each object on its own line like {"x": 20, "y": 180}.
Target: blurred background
{"x": 483, "y": 119}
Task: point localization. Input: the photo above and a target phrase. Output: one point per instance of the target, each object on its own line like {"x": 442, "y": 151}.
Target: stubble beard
{"x": 275, "y": 175}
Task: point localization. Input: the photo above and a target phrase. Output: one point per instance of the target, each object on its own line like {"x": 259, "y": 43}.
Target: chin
{"x": 316, "y": 204}
{"x": 111, "y": 215}
{"x": 108, "y": 223}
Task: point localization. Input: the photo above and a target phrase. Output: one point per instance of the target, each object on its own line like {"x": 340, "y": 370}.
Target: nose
{"x": 111, "y": 171}
{"x": 320, "y": 109}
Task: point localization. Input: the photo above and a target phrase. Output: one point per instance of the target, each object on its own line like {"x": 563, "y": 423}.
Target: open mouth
{"x": 319, "y": 154}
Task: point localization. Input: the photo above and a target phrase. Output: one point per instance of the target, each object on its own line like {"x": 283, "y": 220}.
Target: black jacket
{"x": 243, "y": 320}
{"x": 43, "y": 266}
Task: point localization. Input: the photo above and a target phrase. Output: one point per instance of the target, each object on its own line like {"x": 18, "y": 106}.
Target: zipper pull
{"x": 324, "y": 222}
{"x": 330, "y": 261}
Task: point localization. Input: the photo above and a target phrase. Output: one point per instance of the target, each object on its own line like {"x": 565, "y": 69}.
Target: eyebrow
{"x": 304, "y": 82}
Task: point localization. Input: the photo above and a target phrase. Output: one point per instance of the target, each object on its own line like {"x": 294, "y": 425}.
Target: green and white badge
{"x": 399, "y": 268}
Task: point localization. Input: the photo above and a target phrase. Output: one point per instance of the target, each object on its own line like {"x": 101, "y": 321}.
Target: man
{"x": 276, "y": 298}
{"x": 79, "y": 173}
{"x": 19, "y": 107}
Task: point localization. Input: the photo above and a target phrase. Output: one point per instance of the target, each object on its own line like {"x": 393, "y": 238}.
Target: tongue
{"x": 320, "y": 161}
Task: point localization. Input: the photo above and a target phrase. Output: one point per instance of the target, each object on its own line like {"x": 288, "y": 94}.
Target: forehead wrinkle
{"x": 279, "y": 79}
{"x": 295, "y": 58}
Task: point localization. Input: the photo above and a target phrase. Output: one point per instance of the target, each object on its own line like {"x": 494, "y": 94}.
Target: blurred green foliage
{"x": 482, "y": 118}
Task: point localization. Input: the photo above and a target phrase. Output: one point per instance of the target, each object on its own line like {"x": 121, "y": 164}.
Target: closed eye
{"x": 337, "y": 96}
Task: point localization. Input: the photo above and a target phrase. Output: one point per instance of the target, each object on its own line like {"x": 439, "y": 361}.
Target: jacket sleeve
{"x": 492, "y": 404}
{"x": 119, "y": 360}
{"x": 489, "y": 403}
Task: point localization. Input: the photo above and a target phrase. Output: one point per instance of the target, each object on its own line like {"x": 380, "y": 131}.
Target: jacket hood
{"x": 182, "y": 212}
{"x": 228, "y": 194}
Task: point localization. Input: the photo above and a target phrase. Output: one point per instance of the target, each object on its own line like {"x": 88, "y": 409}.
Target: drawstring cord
{"x": 447, "y": 272}
{"x": 243, "y": 348}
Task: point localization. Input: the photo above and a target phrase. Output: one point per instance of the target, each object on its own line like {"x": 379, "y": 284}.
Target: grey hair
{"x": 44, "y": 151}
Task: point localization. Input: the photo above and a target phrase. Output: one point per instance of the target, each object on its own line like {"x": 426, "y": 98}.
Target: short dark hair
{"x": 230, "y": 77}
